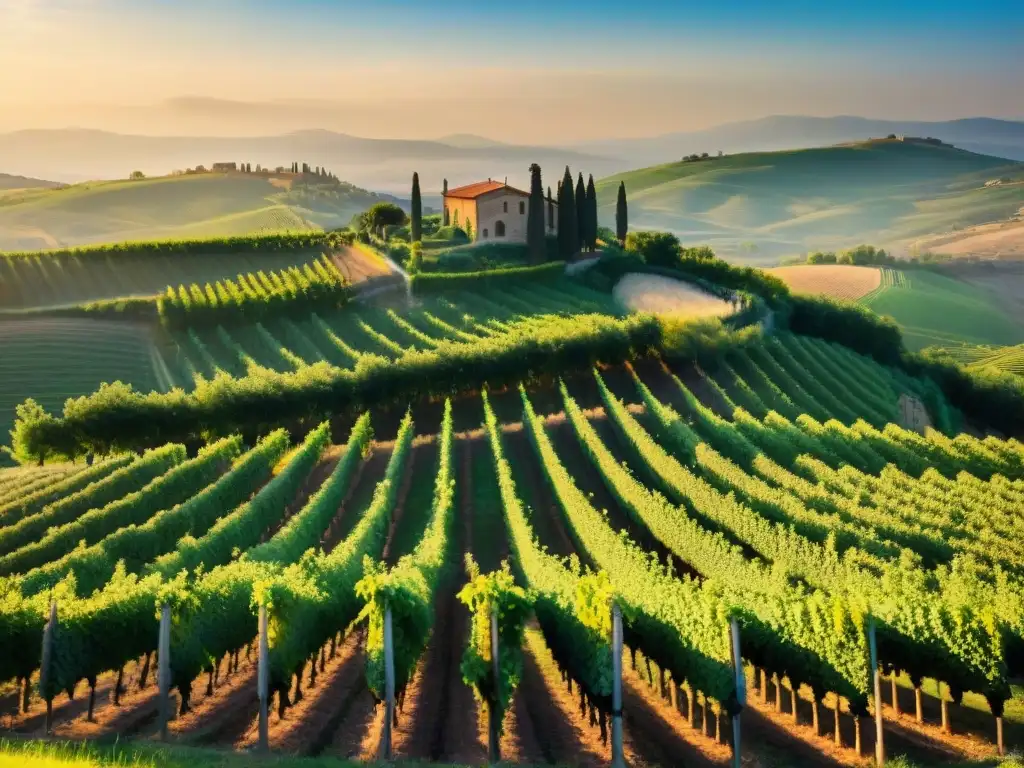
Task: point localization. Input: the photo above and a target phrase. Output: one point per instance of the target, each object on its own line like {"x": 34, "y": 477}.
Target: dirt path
{"x": 442, "y": 721}
{"x": 913, "y": 414}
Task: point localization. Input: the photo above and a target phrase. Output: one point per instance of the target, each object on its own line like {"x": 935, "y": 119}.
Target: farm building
{"x": 492, "y": 210}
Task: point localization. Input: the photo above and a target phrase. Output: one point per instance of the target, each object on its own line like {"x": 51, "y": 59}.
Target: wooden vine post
{"x": 1000, "y": 745}
{"x": 876, "y": 675}
{"x": 263, "y": 681}
{"x": 741, "y": 690}
{"x": 163, "y": 674}
{"x": 495, "y": 714}
{"x": 389, "y": 686}
{"x": 618, "y": 759}
{"x": 46, "y": 667}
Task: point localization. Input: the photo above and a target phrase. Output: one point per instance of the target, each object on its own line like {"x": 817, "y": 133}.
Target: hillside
{"x": 192, "y": 206}
{"x": 381, "y": 164}
{"x": 932, "y": 308}
{"x": 8, "y": 182}
{"x": 760, "y": 206}
{"x": 986, "y": 135}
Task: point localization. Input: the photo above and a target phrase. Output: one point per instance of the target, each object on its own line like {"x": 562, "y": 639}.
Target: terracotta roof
{"x": 473, "y": 191}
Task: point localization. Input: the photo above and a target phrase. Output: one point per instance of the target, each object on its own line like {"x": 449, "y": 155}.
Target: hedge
{"x": 214, "y": 246}
{"x": 116, "y": 416}
{"x": 437, "y": 282}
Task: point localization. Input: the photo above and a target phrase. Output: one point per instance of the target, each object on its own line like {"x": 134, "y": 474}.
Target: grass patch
{"x": 933, "y": 309}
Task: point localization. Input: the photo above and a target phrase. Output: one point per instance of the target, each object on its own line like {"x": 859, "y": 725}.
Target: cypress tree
{"x": 417, "y": 209}
{"x": 446, "y": 219}
{"x": 535, "y": 217}
{"x": 551, "y": 210}
{"x": 567, "y": 227}
{"x": 581, "y": 214}
{"x": 621, "y": 215}
{"x": 591, "y": 215}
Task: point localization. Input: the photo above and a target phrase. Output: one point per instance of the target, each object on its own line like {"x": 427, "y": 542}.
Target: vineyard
{"x": 341, "y": 338}
{"x": 1007, "y": 359}
{"x": 772, "y": 491}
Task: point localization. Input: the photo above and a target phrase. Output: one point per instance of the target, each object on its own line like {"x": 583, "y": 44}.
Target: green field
{"x": 934, "y": 310}
{"x": 186, "y": 206}
{"x": 760, "y": 206}
{"x": 54, "y": 359}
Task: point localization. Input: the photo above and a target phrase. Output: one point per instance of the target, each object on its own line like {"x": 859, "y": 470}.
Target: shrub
{"x": 252, "y": 297}
{"x": 415, "y": 258}
{"x": 989, "y": 396}
{"x": 848, "y": 324}
{"x": 214, "y": 246}
{"x": 116, "y": 417}
{"x": 436, "y": 282}
{"x": 659, "y": 249}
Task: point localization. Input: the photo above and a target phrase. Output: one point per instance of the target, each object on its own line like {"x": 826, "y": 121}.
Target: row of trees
{"x": 577, "y": 216}
{"x": 253, "y": 296}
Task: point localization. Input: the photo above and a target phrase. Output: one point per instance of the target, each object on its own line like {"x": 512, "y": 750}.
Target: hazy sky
{"x": 514, "y": 70}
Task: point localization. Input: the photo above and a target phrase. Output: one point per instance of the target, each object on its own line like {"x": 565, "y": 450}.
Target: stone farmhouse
{"x": 494, "y": 211}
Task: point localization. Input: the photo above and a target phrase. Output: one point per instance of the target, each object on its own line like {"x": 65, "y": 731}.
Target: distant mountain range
{"x": 7, "y": 181}
{"x": 386, "y": 165}
{"x": 72, "y": 155}
{"x": 987, "y": 136}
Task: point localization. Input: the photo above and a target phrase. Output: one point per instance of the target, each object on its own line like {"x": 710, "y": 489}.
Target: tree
{"x": 621, "y": 215}
{"x": 567, "y": 227}
{"x": 551, "y": 210}
{"x": 535, "y": 217}
{"x": 591, "y": 215}
{"x": 659, "y": 249}
{"x": 581, "y": 213}
{"x": 417, "y": 210}
{"x": 136, "y": 175}
{"x": 382, "y": 215}
{"x": 446, "y": 222}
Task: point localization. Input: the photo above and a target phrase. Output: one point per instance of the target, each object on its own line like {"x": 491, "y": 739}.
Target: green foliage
{"x": 659, "y": 249}
{"x": 568, "y": 227}
{"x": 989, "y": 396}
{"x": 174, "y": 486}
{"x": 69, "y": 508}
{"x": 311, "y": 600}
{"x": 535, "y": 223}
{"x": 243, "y": 527}
{"x": 116, "y": 417}
{"x": 381, "y": 215}
{"x": 485, "y": 595}
{"x": 848, "y": 324}
{"x": 138, "y": 545}
{"x": 255, "y": 297}
{"x": 621, "y": 214}
{"x": 415, "y": 258}
{"x": 573, "y": 609}
{"x": 213, "y": 246}
{"x": 416, "y": 218}
{"x": 704, "y": 340}
{"x": 410, "y": 588}
{"x": 437, "y": 282}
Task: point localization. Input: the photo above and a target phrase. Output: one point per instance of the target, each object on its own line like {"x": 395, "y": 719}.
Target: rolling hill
{"x": 187, "y": 206}
{"x": 760, "y": 206}
{"x": 9, "y": 182}
{"x": 985, "y": 135}
{"x": 387, "y": 165}
{"x": 932, "y": 307}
